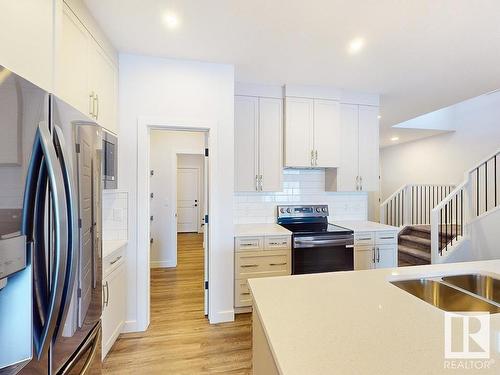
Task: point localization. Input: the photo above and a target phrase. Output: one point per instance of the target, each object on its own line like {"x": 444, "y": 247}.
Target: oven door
{"x": 322, "y": 253}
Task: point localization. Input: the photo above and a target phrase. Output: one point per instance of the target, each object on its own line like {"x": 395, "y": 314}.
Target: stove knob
{"x": 325, "y": 209}
{"x": 282, "y": 210}
{"x": 289, "y": 210}
{"x": 318, "y": 209}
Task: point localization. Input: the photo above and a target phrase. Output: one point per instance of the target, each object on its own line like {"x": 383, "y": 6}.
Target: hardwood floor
{"x": 179, "y": 339}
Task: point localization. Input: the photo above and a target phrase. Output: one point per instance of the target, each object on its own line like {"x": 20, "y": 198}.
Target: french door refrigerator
{"x": 50, "y": 234}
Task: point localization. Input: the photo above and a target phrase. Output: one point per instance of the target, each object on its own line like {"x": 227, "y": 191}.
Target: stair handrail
{"x": 383, "y": 205}
{"x": 445, "y": 207}
{"x": 481, "y": 162}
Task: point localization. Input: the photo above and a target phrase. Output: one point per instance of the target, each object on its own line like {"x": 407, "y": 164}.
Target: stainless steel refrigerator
{"x": 50, "y": 233}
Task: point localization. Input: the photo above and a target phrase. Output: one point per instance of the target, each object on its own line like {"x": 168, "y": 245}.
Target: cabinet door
{"x": 327, "y": 139}
{"x": 387, "y": 256}
{"x": 113, "y": 313}
{"x": 349, "y": 163}
{"x": 369, "y": 148}
{"x": 26, "y": 48}
{"x": 363, "y": 257}
{"x": 72, "y": 73}
{"x": 103, "y": 78}
{"x": 298, "y": 132}
{"x": 270, "y": 143}
{"x": 245, "y": 142}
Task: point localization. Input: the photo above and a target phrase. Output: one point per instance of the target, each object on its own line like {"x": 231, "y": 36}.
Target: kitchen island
{"x": 356, "y": 323}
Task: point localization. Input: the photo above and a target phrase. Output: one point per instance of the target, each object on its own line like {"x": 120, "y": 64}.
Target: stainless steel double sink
{"x": 469, "y": 292}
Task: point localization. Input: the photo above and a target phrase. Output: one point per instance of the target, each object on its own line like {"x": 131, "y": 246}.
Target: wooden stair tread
{"x": 415, "y": 252}
{"x": 418, "y": 240}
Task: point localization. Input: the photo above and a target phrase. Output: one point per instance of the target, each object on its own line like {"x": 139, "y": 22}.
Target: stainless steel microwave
{"x": 110, "y": 161}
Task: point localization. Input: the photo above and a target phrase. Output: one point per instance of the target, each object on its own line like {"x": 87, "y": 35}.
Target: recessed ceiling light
{"x": 394, "y": 139}
{"x": 379, "y": 117}
{"x": 356, "y": 45}
{"x": 171, "y": 20}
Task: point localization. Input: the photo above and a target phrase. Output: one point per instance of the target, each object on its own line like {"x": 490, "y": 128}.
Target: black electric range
{"x": 317, "y": 246}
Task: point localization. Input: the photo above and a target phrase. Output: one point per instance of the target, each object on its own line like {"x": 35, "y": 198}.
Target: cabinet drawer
{"x": 113, "y": 261}
{"x": 364, "y": 238}
{"x": 248, "y": 243}
{"x": 242, "y": 295}
{"x": 262, "y": 264}
{"x": 277, "y": 242}
{"x": 382, "y": 238}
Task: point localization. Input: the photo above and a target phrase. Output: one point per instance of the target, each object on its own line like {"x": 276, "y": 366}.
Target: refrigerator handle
{"x": 93, "y": 342}
{"x": 72, "y": 216}
{"x": 43, "y": 338}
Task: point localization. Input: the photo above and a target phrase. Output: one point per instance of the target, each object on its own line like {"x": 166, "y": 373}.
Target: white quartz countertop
{"x": 244, "y": 230}
{"x": 364, "y": 226}
{"x": 110, "y": 246}
{"x": 358, "y": 323}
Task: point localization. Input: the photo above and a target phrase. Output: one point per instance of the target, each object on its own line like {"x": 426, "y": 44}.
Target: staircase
{"x": 434, "y": 219}
{"x": 414, "y": 245}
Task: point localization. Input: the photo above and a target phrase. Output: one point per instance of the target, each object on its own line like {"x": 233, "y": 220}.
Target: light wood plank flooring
{"x": 179, "y": 339}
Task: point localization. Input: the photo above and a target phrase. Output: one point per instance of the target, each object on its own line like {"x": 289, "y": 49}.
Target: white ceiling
{"x": 420, "y": 55}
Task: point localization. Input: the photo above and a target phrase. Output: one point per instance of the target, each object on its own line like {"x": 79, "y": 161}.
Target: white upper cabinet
{"x": 359, "y": 167}
{"x": 245, "y": 142}
{"x": 312, "y": 129}
{"x": 348, "y": 171}
{"x": 73, "y": 63}
{"x": 270, "y": 143}
{"x": 103, "y": 85}
{"x": 26, "y": 39}
{"x": 327, "y": 139}
{"x": 368, "y": 148}
{"x": 299, "y": 132}
{"x": 85, "y": 77}
{"x": 258, "y": 140}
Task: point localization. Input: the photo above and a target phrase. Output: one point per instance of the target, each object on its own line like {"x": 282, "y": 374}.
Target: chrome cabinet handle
{"x": 378, "y": 255}
{"x": 248, "y": 244}
{"x": 278, "y": 264}
{"x": 91, "y": 104}
{"x": 349, "y": 247}
{"x": 364, "y": 239}
{"x": 249, "y": 265}
{"x": 245, "y": 294}
{"x": 360, "y": 183}
{"x": 278, "y": 243}
{"x": 106, "y": 301}
{"x": 260, "y": 182}
{"x": 312, "y": 158}
{"x": 116, "y": 260}
{"x": 316, "y": 157}
{"x": 373, "y": 250}
{"x": 256, "y": 182}
{"x": 387, "y": 238}
{"x": 97, "y": 107}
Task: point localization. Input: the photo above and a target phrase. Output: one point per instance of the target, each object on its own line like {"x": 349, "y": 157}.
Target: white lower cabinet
{"x": 375, "y": 250}
{"x": 114, "y": 300}
{"x": 258, "y": 256}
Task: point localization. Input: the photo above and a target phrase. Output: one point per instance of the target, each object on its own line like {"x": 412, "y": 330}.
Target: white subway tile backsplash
{"x": 115, "y": 215}
{"x": 300, "y": 186}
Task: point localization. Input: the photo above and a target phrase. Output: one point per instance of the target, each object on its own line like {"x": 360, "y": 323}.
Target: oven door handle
{"x": 308, "y": 243}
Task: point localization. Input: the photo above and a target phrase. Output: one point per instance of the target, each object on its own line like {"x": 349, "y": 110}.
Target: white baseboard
{"x": 222, "y": 317}
{"x": 162, "y": 264}
{"x": 129, "y": 326}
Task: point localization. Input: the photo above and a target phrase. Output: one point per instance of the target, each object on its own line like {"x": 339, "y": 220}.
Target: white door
{"x": 270, "y": 143}
{"x": 72, "y": 73}
{"x": 245, "y": 143}
{"x": 348, "y": 170}
{"x": 363, "y": 258}
{"x": 368, "y": 148}
{"x": 327, "y": 139}
{"x": 387, "y": 256}
{"x": 298, "y": 132}
{"x": 188, "y": 199}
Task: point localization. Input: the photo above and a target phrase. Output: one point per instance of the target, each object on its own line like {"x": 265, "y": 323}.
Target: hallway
{"x": 179, "y": 339}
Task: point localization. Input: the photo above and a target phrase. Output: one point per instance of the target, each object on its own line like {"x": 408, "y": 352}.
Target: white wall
{"x": 485, "y": 236}
{"x": 300, "y": 186}
{"x": 165, "y": 149}
{"x": 185, "y": 92}
{"x": 443, "y": 159}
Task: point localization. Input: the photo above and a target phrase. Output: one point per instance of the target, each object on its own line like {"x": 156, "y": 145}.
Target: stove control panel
{"x": 320, "y": 210}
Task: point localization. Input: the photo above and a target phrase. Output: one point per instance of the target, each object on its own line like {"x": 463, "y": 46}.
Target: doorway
{"x": 178, "y": 190}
